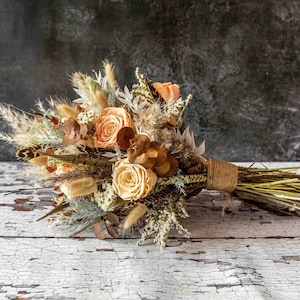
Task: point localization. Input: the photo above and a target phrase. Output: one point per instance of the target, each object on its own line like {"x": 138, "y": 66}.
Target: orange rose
{"x": 111, "y": 120}
{"x": 167, "y": 91}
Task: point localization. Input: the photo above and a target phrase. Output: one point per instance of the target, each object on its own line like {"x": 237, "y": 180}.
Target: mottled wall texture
{"x": 240, "y": 60}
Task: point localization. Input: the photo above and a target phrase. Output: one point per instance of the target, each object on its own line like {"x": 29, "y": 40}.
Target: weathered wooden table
{"x": 247, "y": 254}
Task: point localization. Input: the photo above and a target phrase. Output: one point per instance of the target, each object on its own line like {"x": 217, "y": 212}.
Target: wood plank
{"x": 54, "y": 268}
{"x": 247, "y": 254}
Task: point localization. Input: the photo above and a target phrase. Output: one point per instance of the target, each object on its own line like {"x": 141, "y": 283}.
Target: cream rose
{"x": 132, "y": 181}
{"x": 111, "y": 120}
{"x": 167, "y": 91}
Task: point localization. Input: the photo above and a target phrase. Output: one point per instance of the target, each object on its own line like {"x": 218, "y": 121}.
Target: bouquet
{"x": 123, "y": 158}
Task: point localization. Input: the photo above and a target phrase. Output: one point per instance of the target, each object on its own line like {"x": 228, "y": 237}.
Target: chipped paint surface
{"x": 245, "y": 255}
{"x": 52, "y": 268}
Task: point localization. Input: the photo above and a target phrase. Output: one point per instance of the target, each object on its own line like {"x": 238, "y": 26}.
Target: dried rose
{"x": 132, "y": 181}
{"x": 109, "y": 123}
{"x": 167, "y": 91}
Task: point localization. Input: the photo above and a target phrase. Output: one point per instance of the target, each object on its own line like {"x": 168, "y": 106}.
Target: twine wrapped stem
{"x": 221, "y": 176}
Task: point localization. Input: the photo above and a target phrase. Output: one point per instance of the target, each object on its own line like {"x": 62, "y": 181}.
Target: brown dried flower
{"x": 73, "y": 131}
{"x": 151, "y": 155}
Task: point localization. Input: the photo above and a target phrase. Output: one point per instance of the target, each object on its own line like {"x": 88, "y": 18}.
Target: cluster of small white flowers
{"x": 161, "y": 220}
{"x": 85, "y": 117}
{"x": 105, "y": 197}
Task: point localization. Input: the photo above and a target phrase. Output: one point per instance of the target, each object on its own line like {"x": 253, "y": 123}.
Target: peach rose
{"x": 132, "y": 181}
{"x": 167, "y": 91}
{"x": 111, "y": 120}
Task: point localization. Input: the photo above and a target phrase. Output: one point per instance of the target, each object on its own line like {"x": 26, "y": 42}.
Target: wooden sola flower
{"x": 151, "y": 155}
{"x": 120, "y": 158}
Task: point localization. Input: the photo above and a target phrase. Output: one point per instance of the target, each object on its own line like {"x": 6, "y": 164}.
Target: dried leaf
{"x": 168, "y": 168}
{"x": 124, "y": 136}
{"x": 152, "y": 153}
{"x": 112, "y": 218}
{"x": 174, "y": 166}
{"x": 56, "y": 209}
{"x": 112, "y": 231}
{"x": 163, "y": 169}
{"x": 98, "y": 232}
{"x": 162, "y": 153}
{"x": 145, "y": 161}
{"x": 201, "y": 149}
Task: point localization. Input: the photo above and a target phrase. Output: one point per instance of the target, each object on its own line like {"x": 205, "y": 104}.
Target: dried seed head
{"x": 101, "y": 99}
{"x": 109, "y": 73}
{"x": 66, "y": 111}
{"x": 79, "y": 187}
{"x": 39, "y": 161}
{"x": 136, "y": 213}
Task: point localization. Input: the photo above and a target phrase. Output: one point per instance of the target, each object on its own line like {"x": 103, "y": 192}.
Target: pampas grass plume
{"x": 109, "y": 72}
{"x": 66, "y": 111}
{"x": 136, "y": 213}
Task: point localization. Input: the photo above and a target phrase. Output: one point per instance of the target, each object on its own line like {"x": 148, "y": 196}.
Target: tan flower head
{"x": 108, "y": 125}
{"x": 79, "y": 187}
{"x": 132, "y": 181}
{"x": 152, "y": 155}
{"x": 138, "y": 145}
{"x": 167, "y": 91}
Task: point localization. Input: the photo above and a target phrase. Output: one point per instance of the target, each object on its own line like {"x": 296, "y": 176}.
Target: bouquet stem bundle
{"x": 121, "y": 158}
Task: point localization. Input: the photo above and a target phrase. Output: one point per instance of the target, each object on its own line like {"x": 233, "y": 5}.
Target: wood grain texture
{"x": 247, "y": 254}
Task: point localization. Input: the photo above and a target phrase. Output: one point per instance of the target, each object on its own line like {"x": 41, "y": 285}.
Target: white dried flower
{"x": 86, "y": 117}
{"x": 105, "y": 197}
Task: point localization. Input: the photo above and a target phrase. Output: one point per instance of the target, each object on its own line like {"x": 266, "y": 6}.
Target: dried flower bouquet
{"x": 117, "y": 158}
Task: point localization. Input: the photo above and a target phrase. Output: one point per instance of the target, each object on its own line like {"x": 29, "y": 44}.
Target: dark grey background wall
{"x": 240, "y": 60}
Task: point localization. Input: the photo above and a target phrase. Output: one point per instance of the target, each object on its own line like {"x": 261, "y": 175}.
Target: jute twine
{"x": 221, "y": 176}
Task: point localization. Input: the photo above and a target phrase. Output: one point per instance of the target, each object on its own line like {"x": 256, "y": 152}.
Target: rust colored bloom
{"x": 152, "y": 155}
{"x": 167, "y": 91}
{"x": 109, "y": 123}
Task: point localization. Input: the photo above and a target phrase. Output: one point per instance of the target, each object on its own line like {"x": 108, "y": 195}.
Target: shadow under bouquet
{"x": 119, "y": 158}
